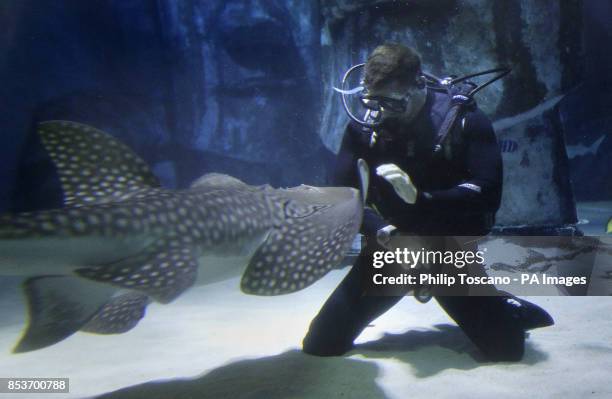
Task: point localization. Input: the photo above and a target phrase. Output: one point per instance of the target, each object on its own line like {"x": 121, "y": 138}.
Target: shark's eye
{"x": 293, "y": 209}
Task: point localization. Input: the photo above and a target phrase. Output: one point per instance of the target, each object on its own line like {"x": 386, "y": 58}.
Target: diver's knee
{"x": 331, "y": 333}
{"x": 319, "y": 345}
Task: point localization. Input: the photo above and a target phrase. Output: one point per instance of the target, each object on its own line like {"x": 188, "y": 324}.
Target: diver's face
{"x": 396, "y": 102}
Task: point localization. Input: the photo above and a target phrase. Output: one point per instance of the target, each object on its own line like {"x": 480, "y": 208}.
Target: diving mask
{"x": 376, "y": 106}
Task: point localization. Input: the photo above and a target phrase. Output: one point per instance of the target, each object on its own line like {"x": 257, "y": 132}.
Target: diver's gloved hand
{"x": 383, "y": 235}
{"x": 399, "y": 180}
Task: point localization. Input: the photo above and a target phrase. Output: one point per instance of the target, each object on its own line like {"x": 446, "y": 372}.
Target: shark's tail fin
{"x": 59, "y": 306}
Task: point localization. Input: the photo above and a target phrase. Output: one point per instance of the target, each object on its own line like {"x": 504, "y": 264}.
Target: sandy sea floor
{"x": 215, "y": 342}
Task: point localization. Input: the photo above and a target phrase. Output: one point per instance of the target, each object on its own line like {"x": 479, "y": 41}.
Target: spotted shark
{"x": 122, "y": 241}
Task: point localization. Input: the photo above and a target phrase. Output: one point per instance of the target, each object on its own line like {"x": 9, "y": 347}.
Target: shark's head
{"x": 323, "y": 207}
{"x": 307, "y": 229}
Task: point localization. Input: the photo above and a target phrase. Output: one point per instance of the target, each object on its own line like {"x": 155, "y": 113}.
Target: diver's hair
{"x": 391, "y": 62}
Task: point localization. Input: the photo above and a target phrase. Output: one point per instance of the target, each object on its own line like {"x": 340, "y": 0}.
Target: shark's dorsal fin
{"x": 58, "y": 306}
{"x": 92, "y": 166}
{"x": 212, "y": 180}
{"x": 119, "y": 315}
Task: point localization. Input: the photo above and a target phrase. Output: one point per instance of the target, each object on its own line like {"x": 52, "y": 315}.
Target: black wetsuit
{"x": 451, "y": 209}
{"x": 458, "y": 195}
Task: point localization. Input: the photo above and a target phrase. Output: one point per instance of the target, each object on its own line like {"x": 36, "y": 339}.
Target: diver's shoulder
{"x": 441, "y": 103}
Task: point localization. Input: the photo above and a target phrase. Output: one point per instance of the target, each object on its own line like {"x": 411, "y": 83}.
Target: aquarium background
{"x": 246, "y": 88}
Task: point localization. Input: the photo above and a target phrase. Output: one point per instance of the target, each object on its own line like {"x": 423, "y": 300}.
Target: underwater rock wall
{"x": 586, "y": 110}
{"x": 98, "y": 62}
{"x": 536, "y": 190}
{"x": 256, "y": 66}
{"x": 192, "y": 86}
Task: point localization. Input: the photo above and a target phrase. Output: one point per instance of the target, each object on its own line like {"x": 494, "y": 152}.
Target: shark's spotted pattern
{"x": 120, "y": 231}
{"x": 163, "y": 271}
{"x": 119, "y": 315}
{"x": 293, "y": 259}
{"x": 92, "y": 166}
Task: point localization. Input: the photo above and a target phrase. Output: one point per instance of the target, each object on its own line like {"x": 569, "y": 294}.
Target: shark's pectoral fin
{"x": 163, "y": 271}
{"x": 119, "y": 315}
{"x": 59, "y": 306}
{"x": 93, "y": 167}
{"x": 296, "y": 256}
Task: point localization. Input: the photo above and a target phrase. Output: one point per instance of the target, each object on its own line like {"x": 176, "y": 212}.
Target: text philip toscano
{"x": 425, "y": 259}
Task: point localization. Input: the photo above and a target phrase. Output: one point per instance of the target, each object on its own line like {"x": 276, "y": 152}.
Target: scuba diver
{"x": 433, "y": 168}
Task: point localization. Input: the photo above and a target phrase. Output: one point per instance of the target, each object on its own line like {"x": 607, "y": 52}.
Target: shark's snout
{"x": 348, "y": 205}
{"x": 323, "y": 195}
{"x": 336, "y": 205}
{"x": 343, "y": 194}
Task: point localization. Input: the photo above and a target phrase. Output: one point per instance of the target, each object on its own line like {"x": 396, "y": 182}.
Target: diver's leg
{"x": 345, "y": 314}
{"x": 489, "y": 324}
{"x": 496, "y": 322}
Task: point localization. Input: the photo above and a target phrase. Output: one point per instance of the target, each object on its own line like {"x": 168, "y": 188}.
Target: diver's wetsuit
{"x": 464, "y": 191}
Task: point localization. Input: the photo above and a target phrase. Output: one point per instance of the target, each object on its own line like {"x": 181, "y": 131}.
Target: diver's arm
{"x": 482, "y": 188}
